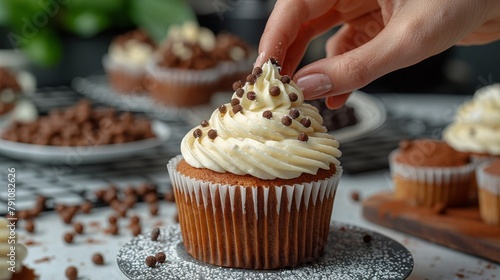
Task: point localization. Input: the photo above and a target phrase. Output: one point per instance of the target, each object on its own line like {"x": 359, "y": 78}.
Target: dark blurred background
{"x": 459, "y": 70}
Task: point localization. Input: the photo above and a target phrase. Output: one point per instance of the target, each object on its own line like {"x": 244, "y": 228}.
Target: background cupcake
{"x": 235, "y": 58}
{"x": 9, "y": 91}
{"x": 184, "y": 72}
{"x": 488, "y": 177}
{"x": 126, "y": 61}
{"x": 430, "y": 173}
{"x": 255, "y": 184}
{"x": 476, "y": 129}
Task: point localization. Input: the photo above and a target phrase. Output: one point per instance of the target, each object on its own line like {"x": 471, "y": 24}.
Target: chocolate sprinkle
{"x": 303, "y": 137}
{"x": 285, "y": 79}
{"x": 293, "y": 96}
{"x": 267, "y": 114}
{"x": 204, "y": 123}
{"x": 151, "y": 261}
{"x": 251, "y": 78}
{"x": 367, "y": 238}
{"x": 306, "y": 122}
{"x": 240, "y": 92}
{"x": 222, "y": 108}
{"x": 251, "y": 95}
{"x": 237, "y": 109}
{"x": 257, "y": 71}
{"x": 155, "y": 234}
{"x": 235, "y": 101}
{"x": 274, "y": 91}
{"x": 212, "y": 133}
{"x": 286, "y": 120}
{"x": 274, "y": 61}
{"x": 237, "y": 85}
{"x": 197, "y": 133}
{"x": 294, "y": 113}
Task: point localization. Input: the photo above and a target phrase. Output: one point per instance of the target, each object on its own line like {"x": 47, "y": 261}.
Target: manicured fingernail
{"x": 314, "y": 85}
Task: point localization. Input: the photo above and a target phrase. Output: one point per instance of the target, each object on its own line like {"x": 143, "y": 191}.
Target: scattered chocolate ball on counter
{"x": 151, "y": 261}
{"x": 29, "y": 226}
{"x": 78, "y": 227}
{"x": 68, "y": 237}
{"x": 136, "y": 229}
{"x": 153, "y": 209}
{"x": 113, "y": 229}
{"x": 367, "y": 238}
{"x": 155, "y": 234}
{"x": 355, "y": 196}
{"x": 98, "y": 259}
{"x": 86, "y": 207}
{"x": 112, "y": 220}
{"x": 72, "y": 273}
{"x": 160, "y": 257}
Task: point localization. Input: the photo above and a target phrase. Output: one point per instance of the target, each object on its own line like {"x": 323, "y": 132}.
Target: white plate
{"x": 369, "y": 111}
{"x": 84, "y": 154}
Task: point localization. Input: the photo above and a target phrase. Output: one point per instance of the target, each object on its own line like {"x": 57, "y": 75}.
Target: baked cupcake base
{"x": 259, "y": 227}
{"x": 124, "y": 79}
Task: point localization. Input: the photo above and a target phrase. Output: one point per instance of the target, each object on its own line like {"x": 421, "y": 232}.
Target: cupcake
{"x": 9, "y": 90}
{"x": 184, "y": 72}
{"x": 235, "y": 58}
{"x": 488, "y": 177}
{"x": 476, "y": 129}
{"x": 430, "y": 173}
{"x": 125, "y": 63}
{"x": 255, "y": 183}
{"x": 11, "y": 261}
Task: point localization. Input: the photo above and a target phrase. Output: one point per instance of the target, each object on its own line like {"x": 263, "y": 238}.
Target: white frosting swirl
{"x": 132, "y": 53}
{"x": 6, "y": 242}
{"x": 248, "y": 143}
{"x": 477, "y": 123}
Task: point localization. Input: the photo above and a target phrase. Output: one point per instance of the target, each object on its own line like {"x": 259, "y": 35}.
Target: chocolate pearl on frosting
{"x": 235, "y": 101}
{"x": 160, "y": 257}
{"x": 237, "y": 109}
{"x": 237, "y": 85}
{"x": 267, "y": 114}
{"x": 285, "y": 79}
{"x": 197, "y": 133}
{"x": 257, "y": 71}
{"x": 274, "y": 61}
{"x": 306, "y": 122}
{"x": 293, "y": 96}
{"x": 274, "y": 91}
{"x": 303, "y": 137}
{"x": 222, "y": 108}
{"x": 240, "y": 92}
{"x": 294, "y": 113}
{"x": 251, "y": 78}
{"x": 204, "y": 123}
{"x": 251, "y": 95}
{"x": 212, "y": 133}
{"x": 286, "y": 120}
{"x": 155, "y": 234}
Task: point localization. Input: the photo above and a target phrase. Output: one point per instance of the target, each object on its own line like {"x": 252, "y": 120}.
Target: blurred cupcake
{"x": 255, "y": 184}
{"x": 10, "y": 89}
{"x": 235, "y": 58}
{"x": 488, "y": 177}
{"x": 430, "y": 173}
{"x": 126, "y": 61}
{"x": 476, "y": 129}
{"x": 184, "y": 72}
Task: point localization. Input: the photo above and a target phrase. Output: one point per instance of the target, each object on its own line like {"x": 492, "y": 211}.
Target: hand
{"x": 377, "y": 37}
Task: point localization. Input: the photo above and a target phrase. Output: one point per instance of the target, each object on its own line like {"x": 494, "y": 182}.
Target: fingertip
{"x": 335, "y": 102}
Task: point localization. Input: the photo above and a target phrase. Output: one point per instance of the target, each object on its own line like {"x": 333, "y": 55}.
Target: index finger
{"x": 284, "y": 24}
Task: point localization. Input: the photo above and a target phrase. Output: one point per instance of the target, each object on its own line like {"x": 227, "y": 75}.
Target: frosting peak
{"x": 266, "y": 131}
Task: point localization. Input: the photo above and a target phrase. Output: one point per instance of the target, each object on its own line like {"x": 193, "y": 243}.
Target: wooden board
{"x": 457, "y": 228}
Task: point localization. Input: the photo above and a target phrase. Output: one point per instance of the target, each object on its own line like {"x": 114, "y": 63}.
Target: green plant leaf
{"x": 156, "y": 16}
{"x": 44, "y": 48}
{"x": 86, "y": 23}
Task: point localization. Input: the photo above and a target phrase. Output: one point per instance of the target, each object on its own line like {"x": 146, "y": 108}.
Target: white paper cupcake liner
{"x": 486, "y": 181}
{"x": 253, "y": 227}
{"x": 437, "y": 185}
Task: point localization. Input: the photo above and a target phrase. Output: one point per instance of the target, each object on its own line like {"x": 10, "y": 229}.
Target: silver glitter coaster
{"x": 346, "y": 256}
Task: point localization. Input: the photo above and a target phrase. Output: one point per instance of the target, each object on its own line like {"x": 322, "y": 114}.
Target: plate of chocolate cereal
{"x": 81, "y": 134}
